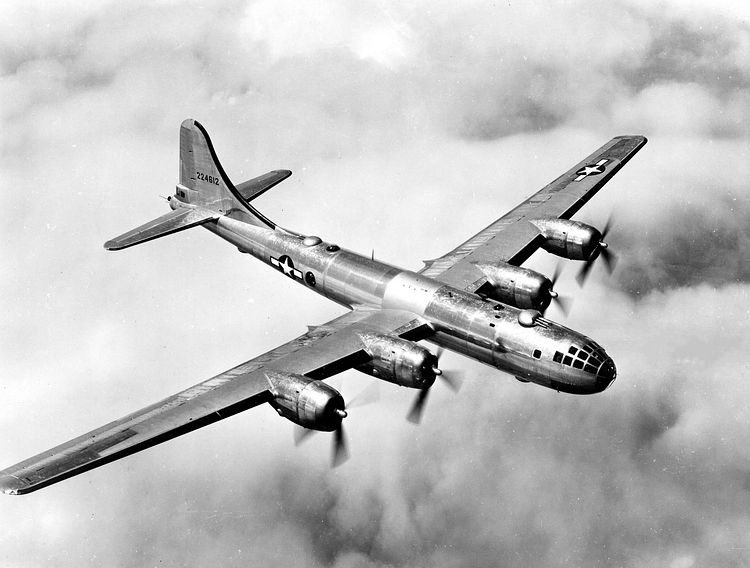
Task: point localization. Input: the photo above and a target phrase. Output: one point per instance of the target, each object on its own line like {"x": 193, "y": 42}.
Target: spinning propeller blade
{"x": 602, "y": 249}
{"x": 340, "y": 453}
{"x": 415, "y": 414}
{"x": 562, "y": 302}
{"x": 453, "y": 379}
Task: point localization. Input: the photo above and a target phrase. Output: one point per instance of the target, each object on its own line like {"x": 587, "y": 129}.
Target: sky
{"x": 409, "y": 126}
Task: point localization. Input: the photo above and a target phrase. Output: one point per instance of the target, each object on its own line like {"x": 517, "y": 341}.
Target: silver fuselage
{"x": 545, "y": 353}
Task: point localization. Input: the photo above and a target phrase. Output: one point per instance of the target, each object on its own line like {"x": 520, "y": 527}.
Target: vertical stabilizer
{"x": 204, "y": 182}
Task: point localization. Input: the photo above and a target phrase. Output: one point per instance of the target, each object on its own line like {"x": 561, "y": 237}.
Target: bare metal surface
{"x": 512, "y": 238}
{"x": 391, "y": 308}
{"x": 519, "y": 287}
{"x": 399, "y": 361}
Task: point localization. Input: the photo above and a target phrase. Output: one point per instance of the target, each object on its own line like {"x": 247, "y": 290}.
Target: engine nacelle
{"x": 307, "y": 402}
{"x": 569, "y": 239}
{"x": 519, "y": 287}
{"x": 399, "y": 361}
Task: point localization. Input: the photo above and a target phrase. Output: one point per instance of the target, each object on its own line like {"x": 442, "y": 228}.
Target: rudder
{"x": 204, "y": 182}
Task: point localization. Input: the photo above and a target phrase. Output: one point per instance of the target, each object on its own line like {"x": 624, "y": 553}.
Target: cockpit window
{"x": 557, "y": 358}
{"x": 572, "y": 350}
{"x": 590, "y": 369}
{"x": 578, "y": 364}
{"x": 568, "y": 360}
{"x": 583, "y": 356}
{"x": 537, "y": 354}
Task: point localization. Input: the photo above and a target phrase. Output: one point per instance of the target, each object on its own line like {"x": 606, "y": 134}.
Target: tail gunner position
{"x": 476, "y": 300}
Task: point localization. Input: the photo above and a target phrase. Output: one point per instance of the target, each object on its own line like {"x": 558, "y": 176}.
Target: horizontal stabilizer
{"x": 258, "y": 186}
{"x": 174, "y": 221}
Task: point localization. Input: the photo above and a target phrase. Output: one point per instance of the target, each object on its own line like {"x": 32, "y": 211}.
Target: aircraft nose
{"x": 606, "y": 375}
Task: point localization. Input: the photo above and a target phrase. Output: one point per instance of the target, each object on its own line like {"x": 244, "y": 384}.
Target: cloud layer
{"x": 408, "y": 127}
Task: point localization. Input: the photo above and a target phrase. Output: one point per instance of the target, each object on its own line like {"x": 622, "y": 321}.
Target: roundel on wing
{"x": 591, "y": 170}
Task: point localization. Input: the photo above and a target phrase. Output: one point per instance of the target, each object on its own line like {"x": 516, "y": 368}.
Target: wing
{"x": 512, "y": 238}
{"x": 321, "y": 352}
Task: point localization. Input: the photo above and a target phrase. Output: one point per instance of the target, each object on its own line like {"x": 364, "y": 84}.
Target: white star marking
{"x": 591, "y": 170}
{"x": 286, "y": 266}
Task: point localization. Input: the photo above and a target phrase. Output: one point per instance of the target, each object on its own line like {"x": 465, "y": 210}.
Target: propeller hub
{"x": 553, "y": 294}
{"x": 340, "y": 413}
{"x": 437, "y": 371}
{"x": 603, "y": 245}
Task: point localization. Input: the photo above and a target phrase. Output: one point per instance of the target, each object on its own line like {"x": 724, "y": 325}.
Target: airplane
{"x": 476, "y": 300}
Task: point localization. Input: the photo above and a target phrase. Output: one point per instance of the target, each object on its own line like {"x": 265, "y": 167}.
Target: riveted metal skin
{"x": 481, "y": 328}
{"x": 569, "y": 239}
{"x": 307, "y": 402}
{"x": 519, "y": 287}
{"x": 399, "y": 361}
{"x": 446, "y": 302}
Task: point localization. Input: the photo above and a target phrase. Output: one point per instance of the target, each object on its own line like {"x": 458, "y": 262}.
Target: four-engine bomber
{"x": 476, "y": 300}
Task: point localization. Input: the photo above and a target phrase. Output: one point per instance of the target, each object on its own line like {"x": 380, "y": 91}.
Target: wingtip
{"x": 10, "y": 485}
{"x": 633, "y": 137}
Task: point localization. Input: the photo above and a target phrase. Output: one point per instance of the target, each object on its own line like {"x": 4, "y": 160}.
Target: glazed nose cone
{"x": 606, "y": 374}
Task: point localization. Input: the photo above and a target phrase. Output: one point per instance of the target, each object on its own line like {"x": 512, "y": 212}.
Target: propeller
{"x": 602, "y": 249}
{"x": 415, "y": 414}
{"x": 562, "y": 302}
{"x": 452, "y": 379}
{"x": 340, "y": 452}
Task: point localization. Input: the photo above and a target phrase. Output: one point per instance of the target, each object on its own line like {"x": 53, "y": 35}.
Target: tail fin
{"x": 204, "y": 193}
{"x": 203, "y": 182}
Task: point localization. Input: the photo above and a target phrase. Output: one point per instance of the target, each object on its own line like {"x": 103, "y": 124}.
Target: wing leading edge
{"x": 512, "y": 238}
{"x": 320, "y": 353}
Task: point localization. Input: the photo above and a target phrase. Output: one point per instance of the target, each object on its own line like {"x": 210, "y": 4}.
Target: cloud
{"x": 409, "y": 128}
{"x": 696, "y": 245}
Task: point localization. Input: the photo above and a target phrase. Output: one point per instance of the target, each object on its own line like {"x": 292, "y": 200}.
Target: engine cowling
{"x": 307, "y": 402}
{"x": 399, "y": 361}
{"x": 569, "y": 239}
{"x": 519, "y": 287}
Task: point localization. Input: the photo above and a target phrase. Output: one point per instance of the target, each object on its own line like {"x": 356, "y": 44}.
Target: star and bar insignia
{"x": 591, "y": 170}
{"x": 286, "y": 265}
